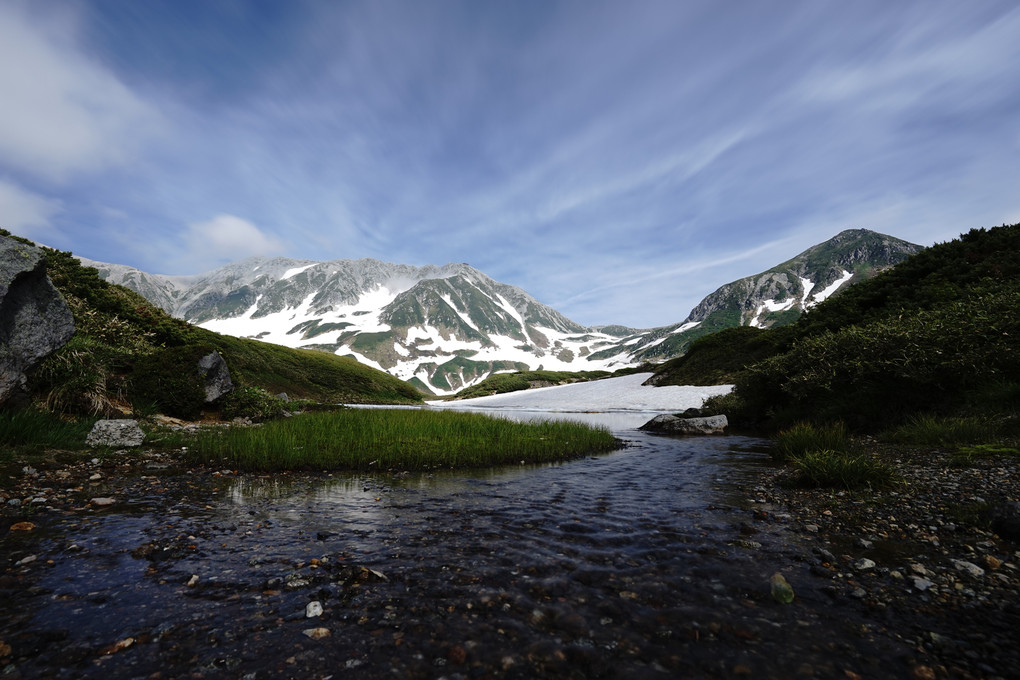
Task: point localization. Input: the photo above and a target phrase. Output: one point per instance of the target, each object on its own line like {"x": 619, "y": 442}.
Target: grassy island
{"x": 386, "y": 439}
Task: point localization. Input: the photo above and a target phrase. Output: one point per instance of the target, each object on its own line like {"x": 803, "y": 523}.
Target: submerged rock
{"x": 677, "y": 425}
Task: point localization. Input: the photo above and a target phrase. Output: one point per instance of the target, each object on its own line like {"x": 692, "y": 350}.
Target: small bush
{"x": 170, "y": 380}
{"x": 929, "y": 430}
{"x": 805, "y": 438}
{"x": 841, "y": 470}
{"x": 252, "y": 403}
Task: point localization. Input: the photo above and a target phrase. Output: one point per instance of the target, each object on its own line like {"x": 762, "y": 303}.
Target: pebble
{"x": 313, "y": 609}
{"x": 864, "y": 564}
{"x": 102, "y": 502}
{"x": 969, "y": 568}
{"x": 317, "y": 633}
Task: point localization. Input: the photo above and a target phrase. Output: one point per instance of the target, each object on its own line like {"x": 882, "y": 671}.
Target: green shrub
{"x": 170, "y": 380}
{"x": 876, "y": 375}
{"x": 252, "y": 403}
{"x": 842, "y": 470}
{"x": 803, "y": 438}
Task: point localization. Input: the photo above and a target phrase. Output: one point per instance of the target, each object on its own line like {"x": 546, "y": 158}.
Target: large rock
{"x": 677, "y": 425}
{"x": 217, "y": 377}
{"x": 116, "y": 433}
{"x": 34, "y": 319}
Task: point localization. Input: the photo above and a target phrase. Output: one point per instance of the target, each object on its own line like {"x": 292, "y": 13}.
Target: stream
{"x": 645, "y": 562}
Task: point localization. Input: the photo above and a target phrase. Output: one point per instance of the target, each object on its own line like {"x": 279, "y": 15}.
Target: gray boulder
{"x": 217, "y": 377}
{"x": 34, "y": 319}
{"x": 116, "y": 433}
{"x": 676, "y": 425}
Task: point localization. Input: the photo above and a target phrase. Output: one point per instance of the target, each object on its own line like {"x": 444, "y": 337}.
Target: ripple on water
{"x": 608, "y": 566}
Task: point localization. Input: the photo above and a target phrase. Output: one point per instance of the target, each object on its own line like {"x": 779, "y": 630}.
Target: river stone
{"x": 677, "y": 425}
{"x": 116, "y": 433}
{"x": 213, "y": 368}
{"x": 34, "y": 319}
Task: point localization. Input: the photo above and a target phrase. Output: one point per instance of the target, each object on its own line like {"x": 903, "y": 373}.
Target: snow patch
{"x": 295, "y": 271}
{"x": 686, "y": 327}
{"x": 831, "y": 288}
{"x": 625, "y": 393}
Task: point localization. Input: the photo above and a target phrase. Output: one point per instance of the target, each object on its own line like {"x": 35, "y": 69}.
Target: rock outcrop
{"x": 213, "y": 368}
{"x": 34, "y": 319}
{"x": 676, "y": 425}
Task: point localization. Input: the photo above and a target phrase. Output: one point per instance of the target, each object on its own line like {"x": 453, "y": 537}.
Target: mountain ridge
{"x": 444, "y": 328}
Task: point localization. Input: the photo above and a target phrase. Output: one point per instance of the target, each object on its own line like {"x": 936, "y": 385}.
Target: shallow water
{"x": 632, "y": 564}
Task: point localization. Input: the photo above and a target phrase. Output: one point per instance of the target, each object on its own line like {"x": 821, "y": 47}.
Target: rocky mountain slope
{"x": 781, "y": 294}
{"x": 446, "y": 328}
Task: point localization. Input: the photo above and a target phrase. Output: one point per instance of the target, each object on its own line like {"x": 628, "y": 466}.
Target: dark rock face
{"x": 217, "y": 377}
{"x": 34, "y": 319}
{"x": 1006, "y": 521}
{"x": 677, "y": 425}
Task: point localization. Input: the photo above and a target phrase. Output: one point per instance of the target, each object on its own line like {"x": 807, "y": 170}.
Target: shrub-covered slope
{"x": 118, "y": 331}
{"x": 936, "y": 333}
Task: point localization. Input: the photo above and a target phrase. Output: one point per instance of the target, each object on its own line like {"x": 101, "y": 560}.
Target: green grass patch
{"x": 412, "y": 439}
{"x": 841, "y": 470}
{"x": 805, "y": 438}
{"x": 929, "y": 430}
{"x": 32, "y": 430}
{"x": 966, "y": 456}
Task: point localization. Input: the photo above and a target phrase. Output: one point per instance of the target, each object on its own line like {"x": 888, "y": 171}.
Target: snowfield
{"x": 609, "y": 395}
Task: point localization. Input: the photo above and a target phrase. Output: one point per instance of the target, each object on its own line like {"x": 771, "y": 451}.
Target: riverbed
{"x": 645, "y": 562}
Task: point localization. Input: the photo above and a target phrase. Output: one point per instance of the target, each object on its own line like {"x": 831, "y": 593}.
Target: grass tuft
{"x": 35, "y": 430}
{"x": 841, "y": 469}
{"x": 929, "y": 430}
{"x": 385, "y": 439}
{"x": 804, "y": 438}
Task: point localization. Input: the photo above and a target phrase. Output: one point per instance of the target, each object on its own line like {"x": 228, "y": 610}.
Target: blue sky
{"x": 617, "y": 160}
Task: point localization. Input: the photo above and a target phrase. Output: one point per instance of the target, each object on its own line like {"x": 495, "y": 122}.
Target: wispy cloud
{"x": 62, "y": 113}
{"x": 619, "y": 162}
{"x": 26, "y": 213}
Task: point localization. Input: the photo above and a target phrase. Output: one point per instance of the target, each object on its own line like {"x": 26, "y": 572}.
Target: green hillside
{"x": 119, "y": 333}
{"x": 937, "y": 333}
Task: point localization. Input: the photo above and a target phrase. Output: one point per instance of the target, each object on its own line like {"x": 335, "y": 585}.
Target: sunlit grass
{"x": 413, "y": 439}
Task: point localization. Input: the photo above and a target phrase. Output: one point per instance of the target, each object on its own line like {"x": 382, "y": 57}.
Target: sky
{"x": 617, "y": 160}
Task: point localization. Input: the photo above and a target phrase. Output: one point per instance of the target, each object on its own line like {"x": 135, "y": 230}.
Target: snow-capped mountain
{"x": 781, "y": 294}
{"x": 447, "y": 328}
{"x": 441, "y": 328}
